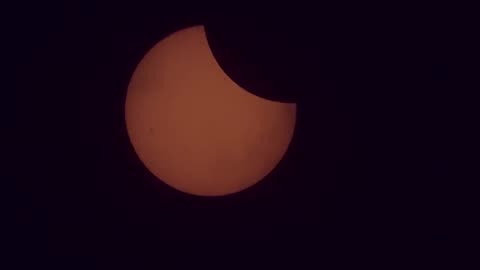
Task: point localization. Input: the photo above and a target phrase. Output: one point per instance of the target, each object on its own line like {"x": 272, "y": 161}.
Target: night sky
{"x": 358, "y": 186}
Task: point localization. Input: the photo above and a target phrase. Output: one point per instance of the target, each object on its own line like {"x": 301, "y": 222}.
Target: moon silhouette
{"x": 197, "y": 130}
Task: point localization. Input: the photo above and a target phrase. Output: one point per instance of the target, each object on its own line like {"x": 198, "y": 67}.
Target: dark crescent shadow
{"x": 257, "y": 58}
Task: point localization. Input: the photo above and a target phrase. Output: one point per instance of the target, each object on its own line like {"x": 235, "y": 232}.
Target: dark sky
{"x": 358, "y": 187}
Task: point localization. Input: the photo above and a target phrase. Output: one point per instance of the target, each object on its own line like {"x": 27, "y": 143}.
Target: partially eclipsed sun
{"x": 197, "y": 130}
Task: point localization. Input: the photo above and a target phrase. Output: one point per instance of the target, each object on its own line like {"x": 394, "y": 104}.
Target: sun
{"x": 197, "y": 130}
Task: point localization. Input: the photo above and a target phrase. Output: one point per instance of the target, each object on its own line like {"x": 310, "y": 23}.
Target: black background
{"x": 358, "y": 185}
